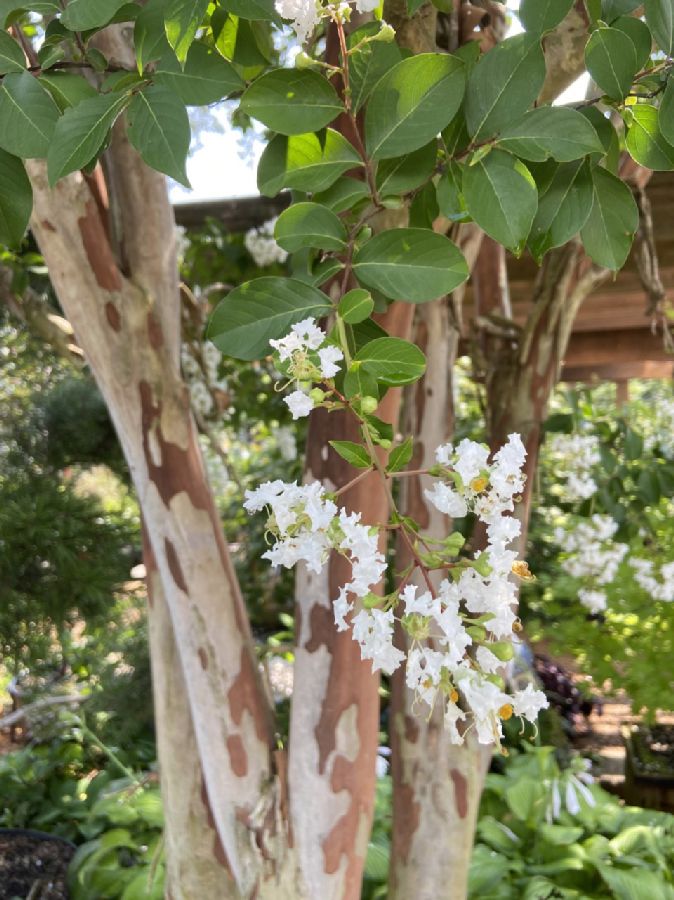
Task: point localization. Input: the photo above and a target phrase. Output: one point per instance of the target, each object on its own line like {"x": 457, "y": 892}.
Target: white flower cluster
{"x": 664, "y": 415}
{"x": 574, "y": 457}
{"x": 574, "y": 783}
{"x": 593, "y": 555}
{"x": 306, "y": 14}
{"x": 261, "y": 245}
{"x": 200, "y": 368}
{"x": 468, "y": 622}
{"x": 308, "y": 358}
{"x": 660, "y": 586}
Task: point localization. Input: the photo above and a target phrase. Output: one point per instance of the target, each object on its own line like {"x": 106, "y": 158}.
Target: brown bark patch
{"x": 97, "y": 249}
{"x": 460, "y": 792}
{"x": 113, "y": 316}
{"x": 154, "y": 331}
{"x": 203, "y": 658}
{"x": 244, "y": 696}
{"x": 174, "y": 565}
{"x": 238, "y": 757}
{"x": 408, "y": 816}
{"x": 411, "y": 730}
{"x": 47, "y": 225}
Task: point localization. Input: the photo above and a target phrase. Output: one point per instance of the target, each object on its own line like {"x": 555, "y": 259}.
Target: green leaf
{"x": 521, "y": 797}
{"x": 645, "y": 142}
{"x": 424, "y": 209}
{"x": 563, "y": 208}
{"x": 309, "y": 225}
{"x": 609, "y": 230}
{"x": 359, "y": 383}
{"x": 205, "y": 78}
{"x": 504, "y": 84}
{"x": 397, "y": 176}
{"x": 392, "y": 361}
{"x": 368, "y": 63}
{"x": 564, "y": 134}
{"x": 11, "y": 55}
{"x": 637, "y": 31}
{"x": 149, "y": 33}
{"x": 343, "y": 194}
{"x": 16, "y": 200}
{"x": 449, "y": 191}
{"x": 539, "y": 16}
{"x": 182, "y": 19}
{"x": 245, "y": 43}
{"x": 356, "y": 306}
{"x": 81, "y": 15}
{"x": 354, "y": 454}
{"x": 27, "y": 116}
{"x": 560, "y": 835}
{"x": 305, "y": 162}
{"x": 412, "y": 103}
{"x": 633, "y": 884}
{"x": 660, "y": 19}
{"x": 255, "y": 312}
{"x": 81, "y": 132}
{"x": 410, "y": 264}
{"x": 67, "y": 89}
{"x": 257, "y": 10}
{"x": 611, "y": 9}
{"x": 611, "y": 60}
{"x": 292, "y": 101}
{"x": 160, "y": 130}
{"x": 400, "y": 455}
{"x": 501, "y": 196}
{"x": 666, "y": 114}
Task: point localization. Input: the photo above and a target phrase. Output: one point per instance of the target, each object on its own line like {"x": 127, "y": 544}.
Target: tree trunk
{"x": 124, "y": 309}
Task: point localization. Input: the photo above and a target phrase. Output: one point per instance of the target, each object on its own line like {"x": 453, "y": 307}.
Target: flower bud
{"x": 317, "y": 395}
{"x": 368, "y": 404}
{"x": 304, "y": 61}
{"x": 372, "y": 601}
{"x": 502, "y": 650}
{"x": 477, "y": 632}
{"x": 386, "y": 33}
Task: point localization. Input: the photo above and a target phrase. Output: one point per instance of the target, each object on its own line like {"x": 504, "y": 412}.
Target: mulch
{"x": 33, "y": 865}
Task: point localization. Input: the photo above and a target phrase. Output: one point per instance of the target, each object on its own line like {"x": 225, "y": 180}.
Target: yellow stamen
{"x": 505, "y": 712}
{"x": 521, "y": 568}
{"x": 479, "y": 484}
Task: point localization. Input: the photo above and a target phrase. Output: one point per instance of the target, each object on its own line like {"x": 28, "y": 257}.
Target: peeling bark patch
{"x": 113, "y": 317}
{"x": 154, "y": 331}
{"x": 174, "y": 565}
{"x": 203, "y": 658}
{"x": 238, "y": 758}
{"x": 47, "y": 225}
{"x": 97, "y": 248}
{"x": 460, "y": 792}
{"x": 243, "y": 696}
{"x": 411, "y": 730}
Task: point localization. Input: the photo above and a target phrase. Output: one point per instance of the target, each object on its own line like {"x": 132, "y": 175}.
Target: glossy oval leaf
{"x": 160, "y": 130}
{"x": 564, "y": 134}
{"x": 645, "y": 141}
{"x": 182, "y": 18}
{"x": 81, "y": 15}
{"x": 501, "y": 196}
{"x": 611, "y": 60}
{"x": 309, "y": 225}
{"x": 504, "y": 84}
{"x": 149, "y": 34}
{"x": 16, "y": 200}
{"x": 404, "y": 173}
{"x": 257, "y": 10}
{"x": 666, "y": 112}
{"x": 638, "y": 32}
{"x": 410, "y": 264}
{"x": 660, "y": 19}
{"x": 305, "y": 162}
{"x": 344, "y": 194}
{"x": 563, "y": 208}
{"x": 205, "y": 78}
{"x": 412, "y": 103}
{"x": 609, "y": 231}
{"x": 28, "y": 116}
{"x": 67, "y": 89}
{"x": 369, "y": 63}
{"x": 81, "y": 132}
{"x": 292, "y": 101}
{"x": 261, "y": 310}
{"x": 539, "y": 16}
{"x": 355, "y": 454}
{"x": 611, "y": 9}
{"x": 12, "y": 58}
{"x": 392, "y": 361}
{"x": 356, "y": 306}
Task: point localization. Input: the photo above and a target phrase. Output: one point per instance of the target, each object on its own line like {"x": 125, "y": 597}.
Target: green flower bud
{"x": 502, "y": 650}
{"x": 372, "y": 601}
{"x": 386, "y": 34}
{"x": 368, "y": 404}
{"x": 477, "y": 632}
{"x": 317, "y": 395}
{"x": 304, "y": 61}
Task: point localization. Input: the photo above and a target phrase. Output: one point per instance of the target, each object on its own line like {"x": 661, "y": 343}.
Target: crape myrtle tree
{"x": 401, "y": 156}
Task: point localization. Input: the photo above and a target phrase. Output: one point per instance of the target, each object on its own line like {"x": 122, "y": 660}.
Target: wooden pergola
{"x": 613, "y": 337}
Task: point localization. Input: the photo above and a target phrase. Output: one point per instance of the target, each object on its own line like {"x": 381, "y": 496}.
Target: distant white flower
{"x": 595, "y": 601}
{"x": 261, "y": 245}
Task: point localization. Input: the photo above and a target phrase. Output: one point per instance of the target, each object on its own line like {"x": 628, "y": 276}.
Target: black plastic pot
{"x": 33, "y": 864}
